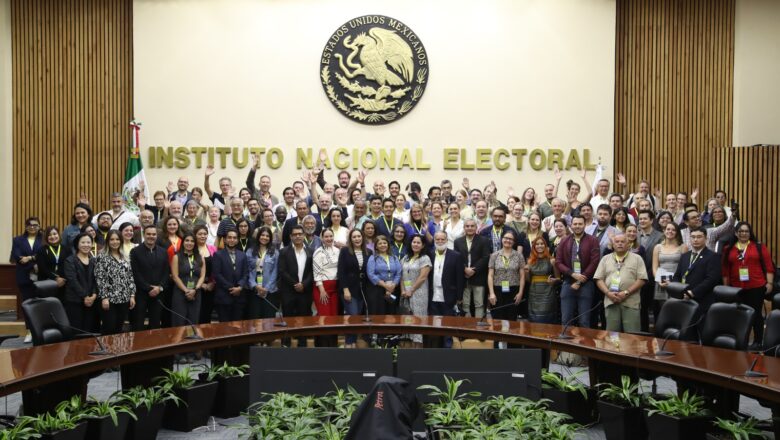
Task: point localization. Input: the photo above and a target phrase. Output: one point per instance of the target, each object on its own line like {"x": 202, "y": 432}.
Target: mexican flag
{"x": 135, "y": 180}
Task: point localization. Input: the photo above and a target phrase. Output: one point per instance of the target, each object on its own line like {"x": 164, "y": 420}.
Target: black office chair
{"x": 46, "y": 288}
{"x": 776, "y": 302}
{"x": 43, "y": 327}
{"x": 771, "y": 343}
{"x": 728, "y": 322}
{"x": 675, "y": 320}
{"x": 675, "y": 290}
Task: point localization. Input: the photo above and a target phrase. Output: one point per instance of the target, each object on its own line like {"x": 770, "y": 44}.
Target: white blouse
{"x": 325, "y": 263}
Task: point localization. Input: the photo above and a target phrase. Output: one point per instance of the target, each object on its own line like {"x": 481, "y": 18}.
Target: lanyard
{"x": 400, "y": 248}
{"x": 94, "y": 250}
{"x": 56, "y": 254}
{"x": 505, "y": 260}
{"x": 243, "y": 242}
{"x": 496, "y": 233}
{"x": 691, "y": 262}
{"x": 191, "y": 259}
{"x": 576, "y": 249}
{"x": 741, "y": 252}
{"x": 619, "y": 263}
{"x": 389, "y": 229}
{"x": 418, "y": 229}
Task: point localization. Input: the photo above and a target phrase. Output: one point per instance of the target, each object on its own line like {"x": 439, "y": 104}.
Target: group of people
{"x": 599, "y": 259}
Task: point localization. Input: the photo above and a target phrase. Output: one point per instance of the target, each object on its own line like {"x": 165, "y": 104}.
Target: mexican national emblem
{"x": 374, "y": 69}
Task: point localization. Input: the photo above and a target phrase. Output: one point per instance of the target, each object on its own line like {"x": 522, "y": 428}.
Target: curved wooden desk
{"x": 35, "y": 366}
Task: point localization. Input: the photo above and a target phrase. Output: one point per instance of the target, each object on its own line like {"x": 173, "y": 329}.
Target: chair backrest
{"x": 776, "y": 302}
{"x": 727, "y": 294}
{"x": 46, "y": 288}
{"x": 727, "y": 326}
{"x": 675, "y": 290}
{"x": 676, "y": 315}
{"x": 771, "y": 342}
{"x": 43, "y": 328}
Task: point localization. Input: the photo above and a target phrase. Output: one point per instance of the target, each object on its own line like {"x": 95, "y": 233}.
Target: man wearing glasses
{"x": 692, "y": 219}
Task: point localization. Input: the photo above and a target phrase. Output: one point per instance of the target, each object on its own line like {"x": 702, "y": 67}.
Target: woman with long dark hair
{"x": 620, "y": 219}
{"x": 263, "y": 275}
{"x": 506, "y": 278}
{"x": 127, "y": 233}
{"x": 51, "y": 257}
{"x": 384, "y": 276}
{"x": 747, "y": 264}
{"x": 244, "y": 237}
{"x": 207, "y": 289}
{"x": 352, "y": 280}
{"x": 369, "y": 234}
{"x": 335, "y": 221}
{"x": 115, "y": 284}
{"x": 399, "y": 246}
{"x": 188, "y": 275}
{"x": 24, "y": 249}
{"x": 82, "y": 215}
{"x": 666, "y": 257}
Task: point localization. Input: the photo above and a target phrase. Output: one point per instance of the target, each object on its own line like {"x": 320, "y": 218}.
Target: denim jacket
{"x": 270, "y": 270}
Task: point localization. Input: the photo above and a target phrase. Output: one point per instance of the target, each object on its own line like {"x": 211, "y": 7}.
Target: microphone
{"x": 483, "y": 323}
{"x": 563, "y": 334}
{"x": 366, "y": 318}
{"x": 661, "y": 351}
{"x": 101, "y": 351}
{"x": 750, "y": 372}
{"x": 281, "y": 322}
{"x": 194, "y": 334}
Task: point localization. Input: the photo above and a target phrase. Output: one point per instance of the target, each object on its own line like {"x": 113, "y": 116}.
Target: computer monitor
{"x": 315, "y": 371}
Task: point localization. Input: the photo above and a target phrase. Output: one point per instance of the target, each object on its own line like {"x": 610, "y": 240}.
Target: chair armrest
{"x": 7, "y": 336}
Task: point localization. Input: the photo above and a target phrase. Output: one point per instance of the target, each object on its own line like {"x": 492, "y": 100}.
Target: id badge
{"x": 744, "y": 275}
{"x": 190, "y": 284}
{"x": 614, "y": 284}
{"x": 577, "y": 266}
{"x": 505, "y": 286}
{"x": 407, "y": 284}
{"x": 259, "y": 280}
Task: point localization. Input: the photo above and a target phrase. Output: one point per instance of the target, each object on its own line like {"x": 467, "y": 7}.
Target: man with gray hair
{"x": 475, "y": 250}
{"x": 118, "y": 213}
{"x": 620, "y": 277}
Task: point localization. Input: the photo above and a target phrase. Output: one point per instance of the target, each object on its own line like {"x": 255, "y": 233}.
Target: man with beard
{"x": 445, "y": 281}
{"x": 230, "y": 271}
{"x": 296, "y": 278}
{"x": 310, "y": 237}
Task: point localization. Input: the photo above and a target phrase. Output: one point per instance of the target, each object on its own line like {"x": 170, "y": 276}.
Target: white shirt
{"x": 300, "y": 256}
{"x": 438, "y": 269}
{"x": 124, "y": 216}
{"x": 597, "y": 201}
{"x": 453, "y": 232}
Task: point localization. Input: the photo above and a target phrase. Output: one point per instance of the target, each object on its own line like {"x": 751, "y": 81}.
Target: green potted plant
{"x": 148, "y": 404}
{"x": 197, "y": 399}
{"x": 568, "y": 395}
{"x": 743, "y": 428}
{"x": 22, "y": 430}
{"x": 620, "y": 410}
{"x": 58, "y": 426}
{"x": 232, "y": 389}
{"x": 107, "y": 419}
{"x": 452, "y": 410}
{"x": 677, "y": 417}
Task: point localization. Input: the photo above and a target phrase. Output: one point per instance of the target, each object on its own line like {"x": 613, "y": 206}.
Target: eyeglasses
{"x": 743, "y": 231}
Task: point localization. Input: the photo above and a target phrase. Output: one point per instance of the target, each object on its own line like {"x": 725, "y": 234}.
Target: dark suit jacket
{"x": 520, "y": 239}
{"x": 48, "y": 268}
{"x": 480, "y": 255}
{"x": 349, "y": 273}
{"x": 228, "y": 276}
{"x": 381, "y": 228}
{"x": 292, "y": 221}
{"x": 80, "y": 279}
{"x": 288, "y": 271}
{"x": 150, "y": 268}
{"x": 452, "y": 277}
{"x": 20, "y": 247}
{"x": 702, "y": 277}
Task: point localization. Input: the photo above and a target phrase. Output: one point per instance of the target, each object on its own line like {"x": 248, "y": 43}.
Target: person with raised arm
{"x": 263, "y": 192}
{"x": 573, "y": 190}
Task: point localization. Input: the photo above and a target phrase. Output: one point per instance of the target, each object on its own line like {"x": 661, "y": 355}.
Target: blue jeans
{"x": 575, "y": 302}
{"x": 354, "y": 307}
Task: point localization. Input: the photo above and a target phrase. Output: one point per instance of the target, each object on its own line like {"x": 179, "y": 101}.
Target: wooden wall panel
{"x": 73, "y": 99}
{"x": 749, "y": 175}
{"x": 674, "y": 72}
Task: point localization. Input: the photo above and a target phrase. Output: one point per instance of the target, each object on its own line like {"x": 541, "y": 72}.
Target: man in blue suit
{"x": 230, "y": 271}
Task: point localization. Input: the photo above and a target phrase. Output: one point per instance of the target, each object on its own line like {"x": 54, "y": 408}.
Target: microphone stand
{"x": 753, "y": 373}
{"x": 563, "y": 334}
{"x": 194, "y": 334}
{"x": 281, "y": 322}
{"x": 661, "y": 351}
{"x": 366, "y": 318}
{"x": 483, "y": 323}
{"x": 101, "y": 351}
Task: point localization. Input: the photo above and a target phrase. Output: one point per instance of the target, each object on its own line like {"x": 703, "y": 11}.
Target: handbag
{"x": 405, "y": 306}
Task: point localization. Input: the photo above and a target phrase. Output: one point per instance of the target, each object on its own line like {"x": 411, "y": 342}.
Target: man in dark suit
{"x": 151, "y": 274}
{"x": 494, "y": 233}
{"x": 230, "y": 269}
{"x": 475, "y": 250}
{"x": 301, "y": 211}
{"x": 445, "y": 282}
{"x": 700, "y": 268}
{"x": 296, "y": 278}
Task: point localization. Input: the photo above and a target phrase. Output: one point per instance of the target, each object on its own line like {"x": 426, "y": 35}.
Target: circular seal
{"x": 374, "y": 69}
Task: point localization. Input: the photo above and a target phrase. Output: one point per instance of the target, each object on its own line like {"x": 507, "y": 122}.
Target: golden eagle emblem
{"x": 379, "y": 72}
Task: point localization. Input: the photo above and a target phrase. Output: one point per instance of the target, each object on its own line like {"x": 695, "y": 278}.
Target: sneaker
{"x": 28, "y": 338}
